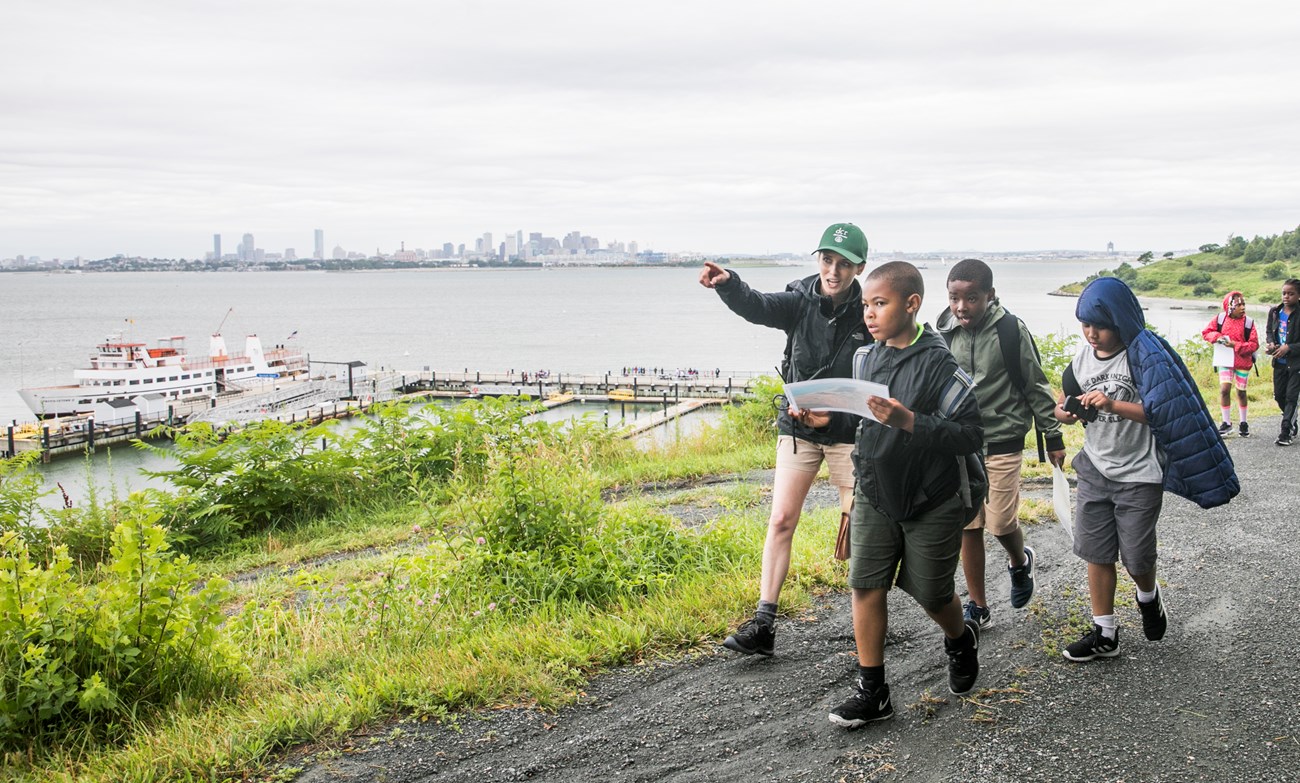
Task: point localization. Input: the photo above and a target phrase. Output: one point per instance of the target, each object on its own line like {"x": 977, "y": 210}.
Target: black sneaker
{"x": 963, "y": 660}
{"x": 752, "y": 637}
{"x": 1093, "y": 645}
{"x": 1154, "y": 618}
{"x": 1022, "y": 580}
{"x": 1245, "y": 430}
{"x": 1284, "y": 439}
{"x": 1225, "y": 428}
{"x": 978, "y": 615}
{"x": 863, "y": 707}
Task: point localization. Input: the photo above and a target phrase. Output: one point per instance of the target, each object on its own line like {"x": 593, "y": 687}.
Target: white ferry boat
{"x": 122, "y": 370}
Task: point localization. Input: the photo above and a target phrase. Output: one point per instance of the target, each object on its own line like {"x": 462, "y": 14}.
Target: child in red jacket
{"x": 1234, "y": 329}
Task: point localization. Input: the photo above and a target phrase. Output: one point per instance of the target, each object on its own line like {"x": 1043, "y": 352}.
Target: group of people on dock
{"x": 938, "y": 461}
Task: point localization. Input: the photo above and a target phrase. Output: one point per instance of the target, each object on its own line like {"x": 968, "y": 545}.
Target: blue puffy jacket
{"x": 1197, "y": 463}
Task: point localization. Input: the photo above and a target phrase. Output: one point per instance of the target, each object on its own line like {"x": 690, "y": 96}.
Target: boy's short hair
{"x": 972, "y": 270}
{"x": 1293, "y": 282}
{"x": 900, "y": 276}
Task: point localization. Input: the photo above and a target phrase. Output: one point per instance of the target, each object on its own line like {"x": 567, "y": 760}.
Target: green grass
{"x": 1172, "y": 278}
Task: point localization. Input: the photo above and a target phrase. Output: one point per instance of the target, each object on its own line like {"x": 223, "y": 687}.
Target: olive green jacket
{"x": 1008, "y": 414}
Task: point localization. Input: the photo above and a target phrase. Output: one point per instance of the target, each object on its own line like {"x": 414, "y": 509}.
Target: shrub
{"x": 1146, "y": 284}
{"x": 1056, "y": 352}
{"x": 1275, "y": 271}
{"x": 540, "y": 532}
{"x": 1203, "y": 289}
{"x": 100, "y": 654}
{"x": 1192, "y": 278}
{"x": 257, "y": 477}
{"x": 755, "y": 417}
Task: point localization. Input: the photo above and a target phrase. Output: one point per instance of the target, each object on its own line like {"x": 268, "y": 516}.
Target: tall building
{"x": 448, "y": 250}
{"x": 216, "y": 247}
{"x": 487, "y": 242}
{"x": 319, "y": 252}
{"x": 510, "y": 248}
{"x": 247, "y": 251}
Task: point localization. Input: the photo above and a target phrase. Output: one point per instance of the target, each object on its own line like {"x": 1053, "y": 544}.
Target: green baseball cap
{"x": 847, "y": 240}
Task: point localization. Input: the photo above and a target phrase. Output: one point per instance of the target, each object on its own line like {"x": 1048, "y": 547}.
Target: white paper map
{"x": 835, "y": 394}
{"x": 1224, "y": 356}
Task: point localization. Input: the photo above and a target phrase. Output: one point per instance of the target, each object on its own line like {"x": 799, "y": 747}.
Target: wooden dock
{"x": 678, "y": 396}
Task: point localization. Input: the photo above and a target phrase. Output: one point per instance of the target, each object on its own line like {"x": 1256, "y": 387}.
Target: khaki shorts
{"x": 998, "y": 514}
{"x": 806, "y": 456}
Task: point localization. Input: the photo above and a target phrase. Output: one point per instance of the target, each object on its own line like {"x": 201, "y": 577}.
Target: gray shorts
{"x": 1115, "y": 519}
{"x": 918, "y": 554}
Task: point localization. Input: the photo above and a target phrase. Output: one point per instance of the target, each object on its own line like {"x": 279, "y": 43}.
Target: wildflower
{"x": 514, "y": 600}
{"x": 385, "y": 606}
{"x": 370, "y": 605}
{"x": 402, "y": 586}
{"x": 416, "y": 529}
{"x": 492, "y": 606}
{"x": 480, "y": 540}
{"x": 477, "y": 613}
{"x": 419, "y": 602}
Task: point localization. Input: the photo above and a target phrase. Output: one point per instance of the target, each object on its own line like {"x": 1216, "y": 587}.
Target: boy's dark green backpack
{"x": 1008, "y": 329}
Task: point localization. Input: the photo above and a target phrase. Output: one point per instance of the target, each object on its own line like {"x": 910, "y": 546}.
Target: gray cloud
{"x": 144, "y": 127}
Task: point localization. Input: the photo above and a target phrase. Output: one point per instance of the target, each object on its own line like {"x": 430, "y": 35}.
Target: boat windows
{"x": 173, "y": 378}
{"x": 133, "y": 383}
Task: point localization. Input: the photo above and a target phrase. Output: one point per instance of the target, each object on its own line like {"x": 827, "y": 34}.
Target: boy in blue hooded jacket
{"x": 1148, "y": 431}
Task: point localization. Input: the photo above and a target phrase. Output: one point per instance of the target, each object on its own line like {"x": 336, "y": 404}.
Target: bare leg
{"x": 1145, "y": 582}
{"x": 1101, "y": 588}
{"x": 870, "y": 619}
{"x": 1014, "y": 543}
{"x": 949, "y": 618}
{"x": 1242, "y": 402}
{"x": 789, "y": 490}
{"x": 1225, "y": 395}
{"x": 972, "y": 564}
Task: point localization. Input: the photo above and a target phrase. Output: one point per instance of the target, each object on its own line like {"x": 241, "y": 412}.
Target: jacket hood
{"x": 1109, "y": 303}
{"x": 1228, "y": 298}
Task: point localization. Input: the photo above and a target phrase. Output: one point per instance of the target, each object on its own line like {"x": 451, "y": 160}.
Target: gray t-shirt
{"x": 1120, "y": 449}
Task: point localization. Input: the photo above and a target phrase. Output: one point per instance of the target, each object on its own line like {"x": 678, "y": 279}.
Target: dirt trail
{"x": 1218, "y": 699}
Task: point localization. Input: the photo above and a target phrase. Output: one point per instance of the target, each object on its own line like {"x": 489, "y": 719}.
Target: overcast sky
{"x": 145, "y": 127}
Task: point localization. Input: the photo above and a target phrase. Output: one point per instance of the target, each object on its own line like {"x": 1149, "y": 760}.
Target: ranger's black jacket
{"x": 903, "y": 474}
{"x": 822, "y": 340}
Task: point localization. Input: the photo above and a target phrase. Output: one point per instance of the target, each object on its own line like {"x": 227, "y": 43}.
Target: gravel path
{"x": 1217, "y": 700}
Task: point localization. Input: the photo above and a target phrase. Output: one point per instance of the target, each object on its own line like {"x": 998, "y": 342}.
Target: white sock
{"x": 1146, "y": 597}
{"x": 1108, "y": 625}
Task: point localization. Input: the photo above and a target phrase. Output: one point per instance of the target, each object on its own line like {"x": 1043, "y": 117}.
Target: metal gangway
{"x": 300, "y": 397}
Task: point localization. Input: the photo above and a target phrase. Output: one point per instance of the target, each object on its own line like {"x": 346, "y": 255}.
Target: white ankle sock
{"x": 1146, "y": 597}
{"x": 1108, "y": 625}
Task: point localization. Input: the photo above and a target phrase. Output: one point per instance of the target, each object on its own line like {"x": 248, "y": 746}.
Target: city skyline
{"x": 714, "y": 128}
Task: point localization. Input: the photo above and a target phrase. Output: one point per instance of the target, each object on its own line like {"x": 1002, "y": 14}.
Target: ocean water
{"x": 562, "y": 319}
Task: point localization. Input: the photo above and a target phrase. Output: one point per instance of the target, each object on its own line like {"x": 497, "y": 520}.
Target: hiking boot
{"x": 1283, "y": 439}
{"x": 1154, "y": 618}
{"x": 1022, "y": 580}
{"x": 863, "y": 707}
{"x": 978, "y": 614}
{"x": 1245, "y": 430}
{"x": 752, "y": 637}
{"x": 1225, "y": 428}
{"x": 963, "y": 660}
{"x": 1093, "y": 645}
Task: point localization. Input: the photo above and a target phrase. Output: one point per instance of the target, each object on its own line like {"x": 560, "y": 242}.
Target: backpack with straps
{"x": 1250, "y": 327}
{"x": 1008, "y": 330}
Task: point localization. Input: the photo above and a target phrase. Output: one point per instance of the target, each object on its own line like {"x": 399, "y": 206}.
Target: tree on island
{"x": 1146, "y": 258}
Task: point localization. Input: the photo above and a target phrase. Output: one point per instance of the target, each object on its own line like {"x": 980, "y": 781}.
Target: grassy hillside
{"x": 1256, "y": 268}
